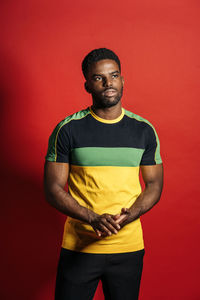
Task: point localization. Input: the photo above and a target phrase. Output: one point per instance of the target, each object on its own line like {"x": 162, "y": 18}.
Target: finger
{"x": 115, "y": 217}
{"x": 105, "y": 229}
{"x": 103, "y": 234}
{"x": 98, "y": 232}
{"x": 122, "y": 218}
{"x": 111, "y": 224}
{"x": 125, "y": 210}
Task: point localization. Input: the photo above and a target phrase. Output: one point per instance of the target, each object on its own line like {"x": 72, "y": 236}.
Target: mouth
{"x": 109, "y": 92}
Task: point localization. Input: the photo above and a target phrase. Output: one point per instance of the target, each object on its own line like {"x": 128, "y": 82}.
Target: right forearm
{"x": 66, "y": 204}
{"x": 55, "y": 179}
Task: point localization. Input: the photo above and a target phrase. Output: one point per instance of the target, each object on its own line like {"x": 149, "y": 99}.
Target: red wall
{"x": 43, "y": 45}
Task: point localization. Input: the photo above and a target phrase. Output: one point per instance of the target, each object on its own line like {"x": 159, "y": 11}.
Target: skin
{"x": 104, "y": 76}
{"x": 105, "y": 84}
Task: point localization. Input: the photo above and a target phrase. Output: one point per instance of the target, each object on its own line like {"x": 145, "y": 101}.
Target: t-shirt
{"x": 104, "y": 157}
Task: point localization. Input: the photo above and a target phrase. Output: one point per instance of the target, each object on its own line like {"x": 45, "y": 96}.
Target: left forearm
{"x": 145, "y": 201}
{"x": 153, "y": 179}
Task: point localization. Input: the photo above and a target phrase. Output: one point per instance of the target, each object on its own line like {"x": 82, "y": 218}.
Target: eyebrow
{"x": 109, "y": 73}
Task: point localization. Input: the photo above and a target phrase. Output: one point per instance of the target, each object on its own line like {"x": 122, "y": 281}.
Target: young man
{"x": 99, "y": 152}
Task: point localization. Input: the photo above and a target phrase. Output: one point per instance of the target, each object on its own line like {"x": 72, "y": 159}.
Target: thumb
{"x": 124, "y": 210}
{"x": 115, "y": 217}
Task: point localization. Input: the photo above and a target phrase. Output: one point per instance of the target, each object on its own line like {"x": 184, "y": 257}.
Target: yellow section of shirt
{"x": 103, "y": 189}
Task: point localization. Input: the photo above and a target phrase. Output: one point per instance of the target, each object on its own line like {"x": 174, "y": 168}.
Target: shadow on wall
{"x": 31, "y": 230}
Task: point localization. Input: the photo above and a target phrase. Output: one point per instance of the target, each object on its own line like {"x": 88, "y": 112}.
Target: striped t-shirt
{"x": 104, "y": 157}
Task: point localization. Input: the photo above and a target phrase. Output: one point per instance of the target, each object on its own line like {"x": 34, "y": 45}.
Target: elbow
{"x": 159, "y": 193}
{"x": 47, "y": 195}
{"x": 49, "y": 192}
{"x": 155, "y": 189}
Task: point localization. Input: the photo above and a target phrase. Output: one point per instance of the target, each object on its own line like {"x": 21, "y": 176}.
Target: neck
{"x": 108, "y": 113}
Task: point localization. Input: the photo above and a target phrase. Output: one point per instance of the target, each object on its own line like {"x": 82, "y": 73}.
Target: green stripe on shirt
{"x": 101, "y": 156}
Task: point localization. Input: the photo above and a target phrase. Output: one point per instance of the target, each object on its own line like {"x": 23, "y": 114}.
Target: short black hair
{"x": 96, "y": 55}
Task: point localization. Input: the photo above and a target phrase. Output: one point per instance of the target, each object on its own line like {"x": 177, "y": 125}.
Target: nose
{"x": 107, "y": 82}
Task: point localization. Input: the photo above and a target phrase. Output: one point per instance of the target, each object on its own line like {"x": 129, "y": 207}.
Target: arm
{"x": 153, "y": 179}
{"x": 55, "y": 179}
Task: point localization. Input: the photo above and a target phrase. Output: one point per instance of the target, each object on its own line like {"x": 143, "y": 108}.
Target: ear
{"x": 86, "y": 87}
{"x": 122, "y": 80}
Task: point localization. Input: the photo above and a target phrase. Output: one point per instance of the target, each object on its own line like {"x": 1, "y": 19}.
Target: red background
{"x": 44, "y": 43}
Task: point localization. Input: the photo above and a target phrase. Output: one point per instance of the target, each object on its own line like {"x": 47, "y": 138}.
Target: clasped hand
{"x": 107, "y": 224}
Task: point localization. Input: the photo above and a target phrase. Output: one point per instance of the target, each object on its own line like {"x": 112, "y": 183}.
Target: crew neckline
{"x": 105, "y": 120}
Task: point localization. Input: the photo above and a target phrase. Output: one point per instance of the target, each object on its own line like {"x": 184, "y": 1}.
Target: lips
{"x": 109, "y": 92}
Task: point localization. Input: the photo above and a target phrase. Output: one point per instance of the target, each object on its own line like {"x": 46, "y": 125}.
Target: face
{"x": 105, "y": 83}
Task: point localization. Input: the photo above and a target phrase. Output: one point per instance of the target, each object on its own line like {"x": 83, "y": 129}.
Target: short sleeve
{"x": 59, "y": 144}
{"x": 151, "y": 155}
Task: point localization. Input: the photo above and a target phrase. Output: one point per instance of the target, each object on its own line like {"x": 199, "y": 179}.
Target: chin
{"x": 106, "y": 103}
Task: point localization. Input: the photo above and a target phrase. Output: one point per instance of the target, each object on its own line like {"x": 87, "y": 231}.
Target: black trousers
{"x": 78, "y": 275}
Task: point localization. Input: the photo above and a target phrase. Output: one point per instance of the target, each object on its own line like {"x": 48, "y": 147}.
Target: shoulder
{"x": 145, "y": 126}
{"x": 73, "y": 117}
{"x": 63, "y": 127}
{"x": 137, "y": 118}
{"x": 59, "y": 139}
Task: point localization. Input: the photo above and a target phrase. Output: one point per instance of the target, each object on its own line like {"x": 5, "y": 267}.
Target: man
{"x": 99, "y": 152}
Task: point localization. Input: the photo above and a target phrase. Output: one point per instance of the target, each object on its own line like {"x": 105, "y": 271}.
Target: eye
{"x": 97, "y": 78}
{"x": 115, "y": 76}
